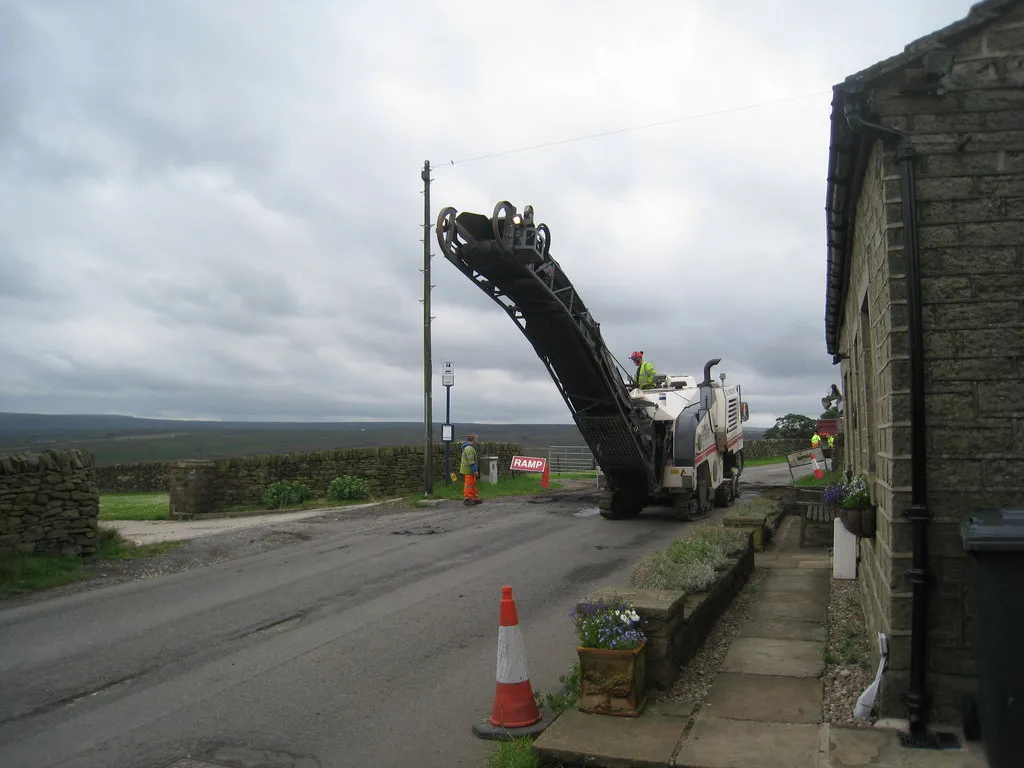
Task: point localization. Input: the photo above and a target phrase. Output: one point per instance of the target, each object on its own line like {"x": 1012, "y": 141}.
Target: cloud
{"x": 214, "y": 209}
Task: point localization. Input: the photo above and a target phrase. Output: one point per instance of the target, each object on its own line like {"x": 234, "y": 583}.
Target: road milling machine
{"x": 679, "y": 443}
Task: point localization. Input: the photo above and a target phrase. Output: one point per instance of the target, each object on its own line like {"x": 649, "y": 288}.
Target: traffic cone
{"x": 819, "y": 473}
{"x": 514, "y": 705}
{"x": 544, "y": 477}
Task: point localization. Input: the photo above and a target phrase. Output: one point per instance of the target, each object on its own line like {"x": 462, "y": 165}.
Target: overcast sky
{"x": 212, "y": 208}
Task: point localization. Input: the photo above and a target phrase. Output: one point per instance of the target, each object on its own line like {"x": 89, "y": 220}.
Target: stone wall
{"x": 208, "y": 487}
{"x": 970, "y": 191}
{"x": 126, "y": 478}
{"x": 49, "y": 504}
{"x": 762, "y": 449}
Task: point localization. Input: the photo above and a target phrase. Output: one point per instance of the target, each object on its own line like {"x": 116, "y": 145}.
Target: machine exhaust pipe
{"x": 707, "y": 371}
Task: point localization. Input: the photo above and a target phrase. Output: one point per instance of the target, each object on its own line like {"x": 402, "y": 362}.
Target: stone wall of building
{"x": 128, "y": 478}
{"x": 208, "y": 487}
{"x": 49, "y": 504}
{"x": 970, "y": 190}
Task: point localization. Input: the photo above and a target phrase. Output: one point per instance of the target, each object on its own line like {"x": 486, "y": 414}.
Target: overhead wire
{"x": 614, "y": 131}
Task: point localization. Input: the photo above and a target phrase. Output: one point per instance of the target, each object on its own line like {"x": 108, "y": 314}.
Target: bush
{"x": 286, "y": 493}
{"x": 689, "y": 564}
{"x": 347, "y": 488}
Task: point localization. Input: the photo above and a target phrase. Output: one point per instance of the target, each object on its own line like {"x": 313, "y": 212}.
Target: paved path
{"x": 764, "y": 709}
{"x": 369, "y": 641}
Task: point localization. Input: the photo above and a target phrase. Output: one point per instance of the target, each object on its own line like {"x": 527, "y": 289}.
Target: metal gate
{"x": 571, "y": 458}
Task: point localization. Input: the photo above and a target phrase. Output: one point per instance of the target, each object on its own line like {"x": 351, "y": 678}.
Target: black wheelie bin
{"x": 994, "y": 541}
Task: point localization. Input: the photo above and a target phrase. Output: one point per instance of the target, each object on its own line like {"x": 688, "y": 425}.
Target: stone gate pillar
{"x": 192, "y": 484}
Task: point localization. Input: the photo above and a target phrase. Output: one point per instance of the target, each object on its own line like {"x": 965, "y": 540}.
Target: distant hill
{"x": 127, "y": 439}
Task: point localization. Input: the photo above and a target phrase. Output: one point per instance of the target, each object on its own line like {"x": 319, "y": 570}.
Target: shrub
{"x": 689, "y": 564}
{"x": 347, "y": 488}
{"x": 607, "y": 624}
{"x": 286, "y": 493}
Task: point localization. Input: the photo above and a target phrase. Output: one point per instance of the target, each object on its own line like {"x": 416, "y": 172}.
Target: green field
{"x": 764, "y": 461}
{"x": 135, "y": 506}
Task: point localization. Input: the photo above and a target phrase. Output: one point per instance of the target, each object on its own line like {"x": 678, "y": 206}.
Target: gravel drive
{"x": 848, "y": 655}
{"x": 696, "y": 677}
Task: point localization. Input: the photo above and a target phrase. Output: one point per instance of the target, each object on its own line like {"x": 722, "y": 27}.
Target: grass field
{"x": 521, "y": 485}
{"x": 764, "y": 461}
{"x": 135, "y": 506}
{"x": 20, "y": 574}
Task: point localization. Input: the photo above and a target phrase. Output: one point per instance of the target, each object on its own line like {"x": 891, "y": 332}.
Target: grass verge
{"x": 523, "y": 484}
{"x": 810, "y": 481}
{"x": 764, "y": 460}
{"x": 135, "y": 506}
{"x": 20, "y": 574}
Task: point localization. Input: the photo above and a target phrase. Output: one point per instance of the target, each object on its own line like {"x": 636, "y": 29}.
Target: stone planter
{"x": 756, "y": 525}
{"x": 677, "y": 624}
{"x": 612, "y": 682}
{"x": 860, "y": 521}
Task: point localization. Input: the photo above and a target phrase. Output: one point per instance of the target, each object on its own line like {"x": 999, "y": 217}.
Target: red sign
{"x": 528, "y": 464}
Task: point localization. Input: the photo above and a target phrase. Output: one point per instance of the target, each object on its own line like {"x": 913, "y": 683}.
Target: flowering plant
{"x": 611, "y": 624}
{"x": 852, "y": 494}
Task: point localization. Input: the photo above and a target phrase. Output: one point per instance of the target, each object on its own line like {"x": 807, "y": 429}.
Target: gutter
{"x": 916, "y": 699}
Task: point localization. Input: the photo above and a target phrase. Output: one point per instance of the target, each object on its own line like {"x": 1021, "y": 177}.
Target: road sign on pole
{"x": 448, "y": 381}
{"x": 448, "y": 375}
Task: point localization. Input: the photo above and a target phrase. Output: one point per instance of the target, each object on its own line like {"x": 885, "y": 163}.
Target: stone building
{"x": 925, "y": 316}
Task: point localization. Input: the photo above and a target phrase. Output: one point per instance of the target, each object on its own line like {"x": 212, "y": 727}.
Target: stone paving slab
{"x": 765, "y": 698}
{"x": 765, "y": 656}
{"x": 604, "y": 741}
{"x": 789, "y": 605}
{"x": 721, "y": 743}
{"x": 881, "y": 748}
{"x": 803, "y": 584}
{"x": 784, "y": 629}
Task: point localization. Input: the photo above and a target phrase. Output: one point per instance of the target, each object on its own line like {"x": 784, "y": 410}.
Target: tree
{"x": 831, "y": 413}
{"x": 792, "y": 425}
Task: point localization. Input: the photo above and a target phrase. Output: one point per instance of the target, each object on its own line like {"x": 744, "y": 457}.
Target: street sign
{"x": 448, "y": 375}
{"x": 527, "y": 464}
{"x": 531, "y": 464}
{"x": 446, "y": 433}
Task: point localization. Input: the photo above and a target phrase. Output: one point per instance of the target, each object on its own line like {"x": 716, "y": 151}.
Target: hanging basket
{"x": 612, "y": 682}
{"x": 860, "y": 521}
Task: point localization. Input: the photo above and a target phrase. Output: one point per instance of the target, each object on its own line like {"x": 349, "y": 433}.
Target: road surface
{"x": 369, "y": 641}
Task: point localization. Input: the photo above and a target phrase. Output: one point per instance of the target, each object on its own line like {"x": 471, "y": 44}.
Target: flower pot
{"x": 612, "y": 681}
{"x": 860, "y": 521}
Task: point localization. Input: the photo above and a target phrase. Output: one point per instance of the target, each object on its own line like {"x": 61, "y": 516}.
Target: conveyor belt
{"x": 514, "y": 267}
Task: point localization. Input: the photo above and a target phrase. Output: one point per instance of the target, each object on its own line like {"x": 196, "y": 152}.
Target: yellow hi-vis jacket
{"x": 815, "y": 440}
{"x": 645, "y": 375}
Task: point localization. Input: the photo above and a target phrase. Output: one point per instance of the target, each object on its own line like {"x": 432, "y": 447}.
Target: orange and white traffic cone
{"x": 819, "y": 473}
{"x": 515, "y": 712}
{"x": 544, "y": 477}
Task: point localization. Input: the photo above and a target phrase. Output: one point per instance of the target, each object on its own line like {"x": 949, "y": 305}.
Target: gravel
{"x": 696, "y": 677}
{"x": 847, "y": 655}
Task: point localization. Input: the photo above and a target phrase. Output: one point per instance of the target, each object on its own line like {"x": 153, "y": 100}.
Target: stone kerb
{"x": 49, "y": 503}
{"x": 677, "y": 624}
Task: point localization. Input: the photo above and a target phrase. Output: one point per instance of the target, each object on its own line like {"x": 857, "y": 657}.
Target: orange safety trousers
{"x": 469, "y": 487}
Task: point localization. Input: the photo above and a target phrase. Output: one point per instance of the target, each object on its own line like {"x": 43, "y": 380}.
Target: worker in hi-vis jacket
{"x": 470, "y": 470}
{"x": 645, "y": 372}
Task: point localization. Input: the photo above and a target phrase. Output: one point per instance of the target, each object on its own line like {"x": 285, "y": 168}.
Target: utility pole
{"x": 428, "y": 371}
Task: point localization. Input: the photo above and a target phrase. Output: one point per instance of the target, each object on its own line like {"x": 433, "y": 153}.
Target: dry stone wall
{"x": 209, "y": 487}
{"x": 127, "y": 478}
{"x": 49, "y": 503}
{"x": 762, "y": 449}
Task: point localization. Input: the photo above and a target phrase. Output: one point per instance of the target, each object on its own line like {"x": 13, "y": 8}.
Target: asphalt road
{"x": 370, "y": 641}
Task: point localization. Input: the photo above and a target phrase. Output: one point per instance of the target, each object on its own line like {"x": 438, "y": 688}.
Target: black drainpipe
{"x": 916, "y": 699}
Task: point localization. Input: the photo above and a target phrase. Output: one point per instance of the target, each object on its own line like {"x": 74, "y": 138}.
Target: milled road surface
{"x": 370, "y": 641}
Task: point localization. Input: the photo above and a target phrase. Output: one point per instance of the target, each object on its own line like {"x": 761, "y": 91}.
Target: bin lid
{"x": 994, "y": 530}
